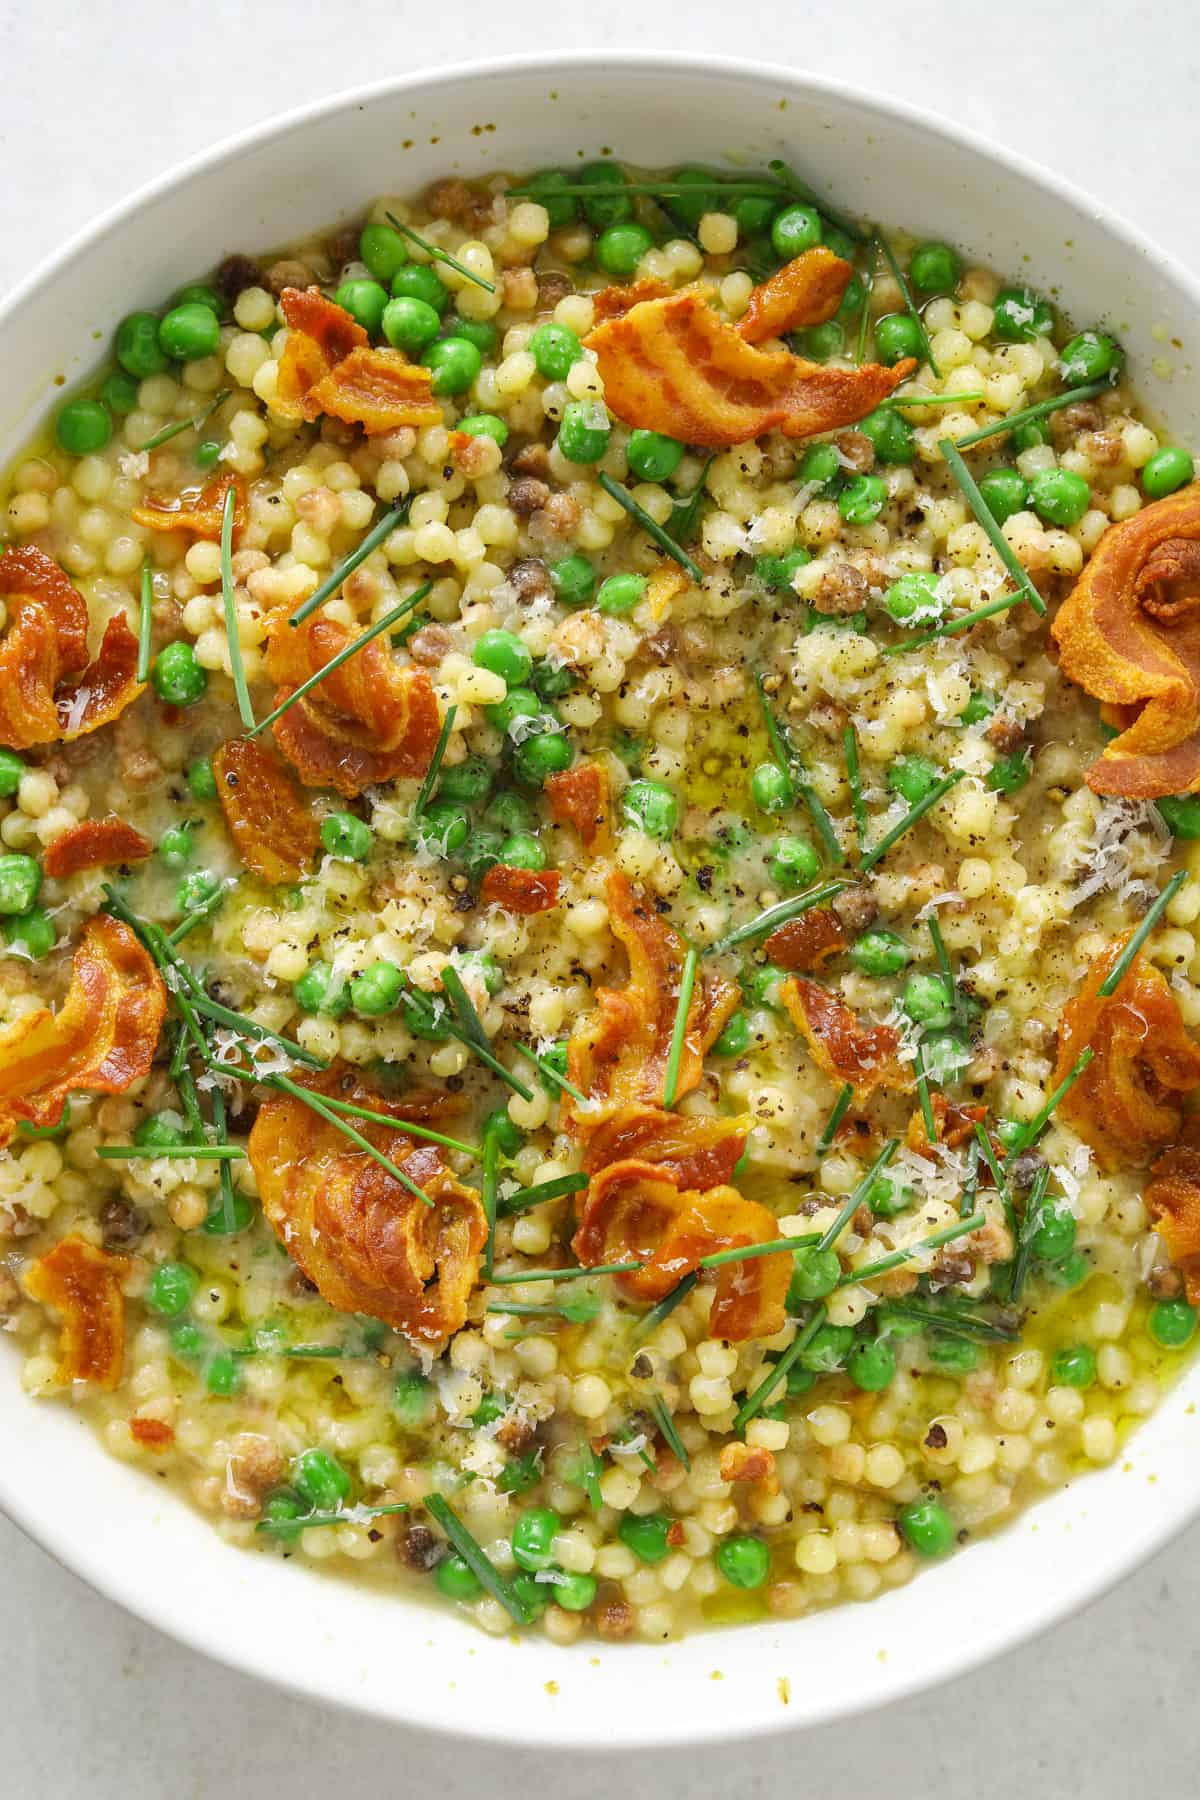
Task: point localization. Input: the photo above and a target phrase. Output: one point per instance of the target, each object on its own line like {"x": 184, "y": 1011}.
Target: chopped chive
{"x": 927, "y": 1112}
{"x": 199, "y": 914}
{"x": 1029, "y": 1224}
{"x": 440, "y": 255}
{"x": 236, "y": 665}
{"x": 955, "y": 1320}
{"x": 941, "y": 953}
{"x": 551, "y": 1074}
{"x": 332, "y": 582}
{"x": 354, "y": 1515}
{"x": 352, "y": 649}
{"x": 651, "y": 1321}
{"x": 910, "y": 305}
{"x": 832, "y": 1233}
{"x": 755, "y": 1401}
{"x": 1030, "y": 1133}
{"x": 145, "y": 621}
{"x": 748, "y": 1252}
{"x": 1116, "y": 975}
{"x": 221, "y": 1132}
{"x": 989, "y": 1157}
{"x": 687, "y": 982}
{"x": 857, "y": 803}
{"x": 1088, "y": 391}
{"x": 185, "y": 1083}
{"x": 686, "y": 511}
{"x": 778, "y": 914}
{"x": 487, "y": 1197}
{"x": 780, "y": 752}
{"x": 868, "y": 281}
{"x": 820, "y": 818}
{"x": 898, "y": 1258}
{"x": 491, "y": 1062}
{"x": 660, "y": 1413}
{"x": 464, "y": 1007}
{"x": 526, "y": 1197}
{"x": 795, "y": 185}
{"x": 317, "y": 1104}
{"x": 197, "y": 424}
{"x": 247, "y": 1027}
{"x": 841, "y": 1107}
{"x": 650, "y": 526}
{"x": 405, "y": 1125}
{"x": 476, "y": 1558}
{"x": 984, "y": 519}
{"x": 894, "y": 400}
{"x": 572, "y": 1274}
{"x": 580, "y": 1311}
{"x": 966, "y": 1202}
{"x": 425, "y": 794}
{"x": 911, "y": 817}
{"x": 964, "y": 622}
{"x": 150, "y": 1152}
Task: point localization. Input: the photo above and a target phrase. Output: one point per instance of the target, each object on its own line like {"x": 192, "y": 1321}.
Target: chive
{"x": 910, "y": 305}
{"x": 927, "y": 1112}
{"x": 650, "y": 526}
{"x": 686, "y": 511}
{"x": 526, "y": 1197}
{"x": 801, "y": 189}
{"x": 179, "y": 1054}
{"x": 288, "y": 1528}
{"x": 149, "y": 1152}
{"x": 755, "y": 1401}
{"x": 464, "y": 1008}
{"x": 571, "y": 1274}
{"x": 989, "y": 1157}
{"x": 247, "y": 1027}
{"x": 687, "y": 982}
{"x": 660, "y": 1413}
{"x": 930, "y": 400}
{"x": 941, "y": 953}
{"x": 820, "y": 819}
{"x": 626, "y": 1436}
{"x": 833, "y": 1232}
{"x": 186, "y": 1085}
{"x": 655, "y": 190}
{"x": 910, "y": 818}
{"x": 231, "y": 631}
{"x": 983, "y": 515}
{"x": 439, "y": 255}
{"x": 316, "y": 1103}
{"x": 864, "y": 324}
{"x": 898, "y": 1258}
{"x": 747, "y": 1252}
{"x": 551, "y": 1073}
{"x": 491, "y": 1062}
{"x": 1113, "y": 980}
{"x": 163, "y": 956}
{"x": 790, "y": 765}
{"x": 332, "y": 582}
{"x": 1030, "y": 1133}
{"x": 197, "y": 424}
{"x": 954, "y": 1320}
{"x": 778, "y": 914}
{"x": 963, "y": 623}
{"x": 425, "y": 794}
{"x": 1029, "y": 1225}
{"x": 487, "y": 1196}
{"x": 200, "y": 913}
{"x": 966, "y": 1202}
{"x": 587, "y": 1477}
{"x": 1088, "y": 391}
{"x": 841, "y": 1107}
{"x": 780, "y": 753}
{"x": 145, "y": 622}
{"x": 476, "y": 1558}
{"x": 221, "y": 1132}
{"x": 405, "y": 1125}
{"x": 857, "y": 803}
{"x": 351, "y": 649}
{"x": 576, "y": 1312}
{"x": 666, "y": 1306}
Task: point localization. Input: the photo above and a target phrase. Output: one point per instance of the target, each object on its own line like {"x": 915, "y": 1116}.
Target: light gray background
{"x": 98, "y": 95}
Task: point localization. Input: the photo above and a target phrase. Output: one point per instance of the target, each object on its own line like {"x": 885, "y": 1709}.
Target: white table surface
{"x": 98, "y": 94}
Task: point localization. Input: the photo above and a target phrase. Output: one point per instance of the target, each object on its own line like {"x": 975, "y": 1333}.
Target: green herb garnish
{"x": 439, "y": 255}
{"x": 1120, "y": 968}
{"x": 776, "y": 915}
{"x": 910, "y": 305}
{"x": 526, "y": 1197}
{"x": 687, "y": 981}
{"x": 236, "y": 665}
{"x": 550, "y": 1072}
{"x": 145, "y": 621}
{"x": 832, "y": 1233}
{"x": 911, "y": 817}
{"x": 425, "y": 792}
{"x": 650, "y": 526}
{"x": 650, "y": 1322}
{"x": 476, "y": 1558}
{"x": 1030, "y": 1133}
{"x": 351, "y": 649}
{"x": 290, "y": 1528}
{"x": 316, "y": 1103}
{"x": 685, "y": 513}
{"x": 151, "y": 1152}
{"x": 841, "y": 1107}
{"x": 331, "y": 583}
{"x": 756, "y": 1400}
{"x": 1088, "y": 391}
{"x": 197, "y": 424}
{"x": 660, "y": 1413}
{"x": 984, "y": 519}
{"x": 898, "y": 1258}
{"x": 857, "y": 804}
{"x": 575, "y": 1273}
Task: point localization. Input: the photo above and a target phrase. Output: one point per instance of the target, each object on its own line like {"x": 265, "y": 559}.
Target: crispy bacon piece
{"x": 806, "y": 291}
{"x": 1127, "y": 1102}
{"x": 745, "y": 1462}
{"x": 673, "y": 366}
{"x": 152, "y": 1434}
{"x": 581, "y": 797}
{"x": 863, "y": 1055}
{"x": 368, "y": 1243}
{"x": 101, "y": 1039}
{"x": 1172, "y": 1197}
{"x": 95, "y": 844}
{"x": 198, "y": 510}
{"x": 699, "y": 1152}
{"x": 328, "y": 366}
{"x": 28, "y": 575}
{"x": 807, "y": 942}
{"x": 107, "y": 686}
{"x": 520, "y": 890}
{"x": 615, "y": 302}
{"x": 83, "y": 1285}
{"x": 268, "y": 818}
{"x": 366, "y": 723}
{"x": 1129, "y": 634}
{"x": 955, "y": 1124}
{"x": 636, "y": 1211}
{"x": 620, "y": 1054}
{"x": 47, "y": 642}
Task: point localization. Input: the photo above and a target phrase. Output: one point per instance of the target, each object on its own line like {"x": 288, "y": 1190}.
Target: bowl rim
{"x": 88, "y": 1560}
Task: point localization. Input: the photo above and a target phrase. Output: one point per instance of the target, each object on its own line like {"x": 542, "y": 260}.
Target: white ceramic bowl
{"x": 333, "y": 1640}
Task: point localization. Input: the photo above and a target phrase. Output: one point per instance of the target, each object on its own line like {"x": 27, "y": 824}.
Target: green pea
{"x": 1069, "y": 1272}
{"x": 705, "y": 196}
{"x": 551, "y": 681}
{"x": 947, "y": 1054}
{"x": 560, "y": 208}
{"x": 83, "y": 426}
{"x": 195, "y": 891}
{"x": 1030, "y": 435}
{"x": 927, "y": 1526}
{"x": 555, "y": 349}
{"x": 979, "y": 707}
{"x": 488, "y": 968}
{"x": 507, "y": 1133}
{"x": 1181, "y": 814}
{"x": 794, "y": 864}
{"x": 820, "y": 342}
{"x": 621, "y": 248}
{"x": 753, "y": 213}
{"x": 652, "y": 456}
{"x": 484, "y": 425}
{"x": 138, "y": 350}
{"x": 646, "y": 1536}
{"x": 199, "y": 293}
{"x": 1171, "y": 1323}
{"x": 539, "y": 757}
{"x": 1059, "y": 496}
{"x": 20, "y": 882}
{"x": 170, "y": 1289}
{"x": 951, "y": 1355}
{"x": 794, "y": 230}
{"x": 119, "y": 392}
{"x": 409, "y": 324}
{"x": 770, "y": 788}
{"x": 455, "y": 363}
{"x": 887, "y": 1198}
{"x": 913, "y": 599}
{"x": 12, "y": 768}
{"x": 285, "y": 1508}
{"x": 928, "y": 1000}
{"x": 819, "y": 464}
{"x": 190, "y": 332}
{"x": 934, "y": 269}
{"x": 384, "y": 252}
{"x": 828, "y": 1349}
{"x": 760, "y": 983}
{"x": 800, "y": 1381}
{"x": 862, "y": 499}
{"x": 207, "y": 454}
{"x": 502, "y": 653}
{"x": 223, "y": 1376}
{"x": 187, "y": 1341}
{"x": 1055, "y": 1234}
{"x": 423, "y": 1014}
{"x": 442, "y": 829}
{"x": 1166, "y": 471}
{"x": 850, "y": 305}
{"x": 777, "y": 572}
{"x": 176, "y": 846}
{"x": 322, "y": 990}
{"x": 574, "y": 1593}
{"x": 584, "y": 431}
{"x": 1073, "y": 1366}
{"x": 533, "y": 1537}
{"x": 891, "y": 434}
{"x": 599, "y": 210}
{"x": 320, "y": 1479}
{"x": 1005, "y": 492}
{"x": 871, "y": 1365}
{"x": 744, "y": 1561}
{"x": 365, "y": 302}
{"x": 1019, "y": 316}
{"x": 412, "y": 1400}
{"x": 898, "y": 335}
{"x": 912, "y": 777}
{"x": 510, "y": 812}
{"x": 227, "y": 1220}
{"x": 177, "y": 676}
{"x": 879, "y": 953}
{"x": 480, "y": 853}
{"x": 518, "y": 703}
{"x": 467, "y": 783}
{"x": 574, "y": 579}
{"x": 1008, "y": 774}
{"x": 620, "y": 594}
{"x": 735, "y": 1038}
{"x": 456, "y": 1579}
{"x": 650, "y": 806}
{"x": 377, "y": 990}
{"x": 522, "y": 851}
{"x": 418, "y": 281}
{"x": 480, "y": 332}
{"x": 201, "y": 780}
{"x": 1088, "y": 357}
{"x": 31, "y": 933}
{"x": 815, "y": 1273}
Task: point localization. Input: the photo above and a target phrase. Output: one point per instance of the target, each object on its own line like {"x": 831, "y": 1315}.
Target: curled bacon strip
{"x": 328, "y": 366}
{"x": 698, "y": 1152}
{"x": 268, "y": 818}
{"x": 83, "y": 1285}
{"x": 807, "y": 942}
{"x": 1127, "y": 1102}
{"x": 636, "y": 1211}
{"x": 102, "y": 1038}
{"x": 367, "y": 722}
{"x": 863, "y": 1055}
{"x": 47, "y": 642}
{"x": 107, "y": 686}
{"x": 806, "y": 291}
{"x": 1172, "y": 1197}
{"x": 1129, "y": 634}
{"x": 198, "y": 510}
{"x": 615, "y": 302}
{"x": 673, "y": 366}
{"x": 520, "y": 890}
{"x": 368, "y": 1244}
{"x": 580, "y": 797}
{"x": 620, "y": 1054}
{"x": 95, "y": 844}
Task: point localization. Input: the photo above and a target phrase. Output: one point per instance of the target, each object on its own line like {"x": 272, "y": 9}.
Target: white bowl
{"x": 330, "y": 1639}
